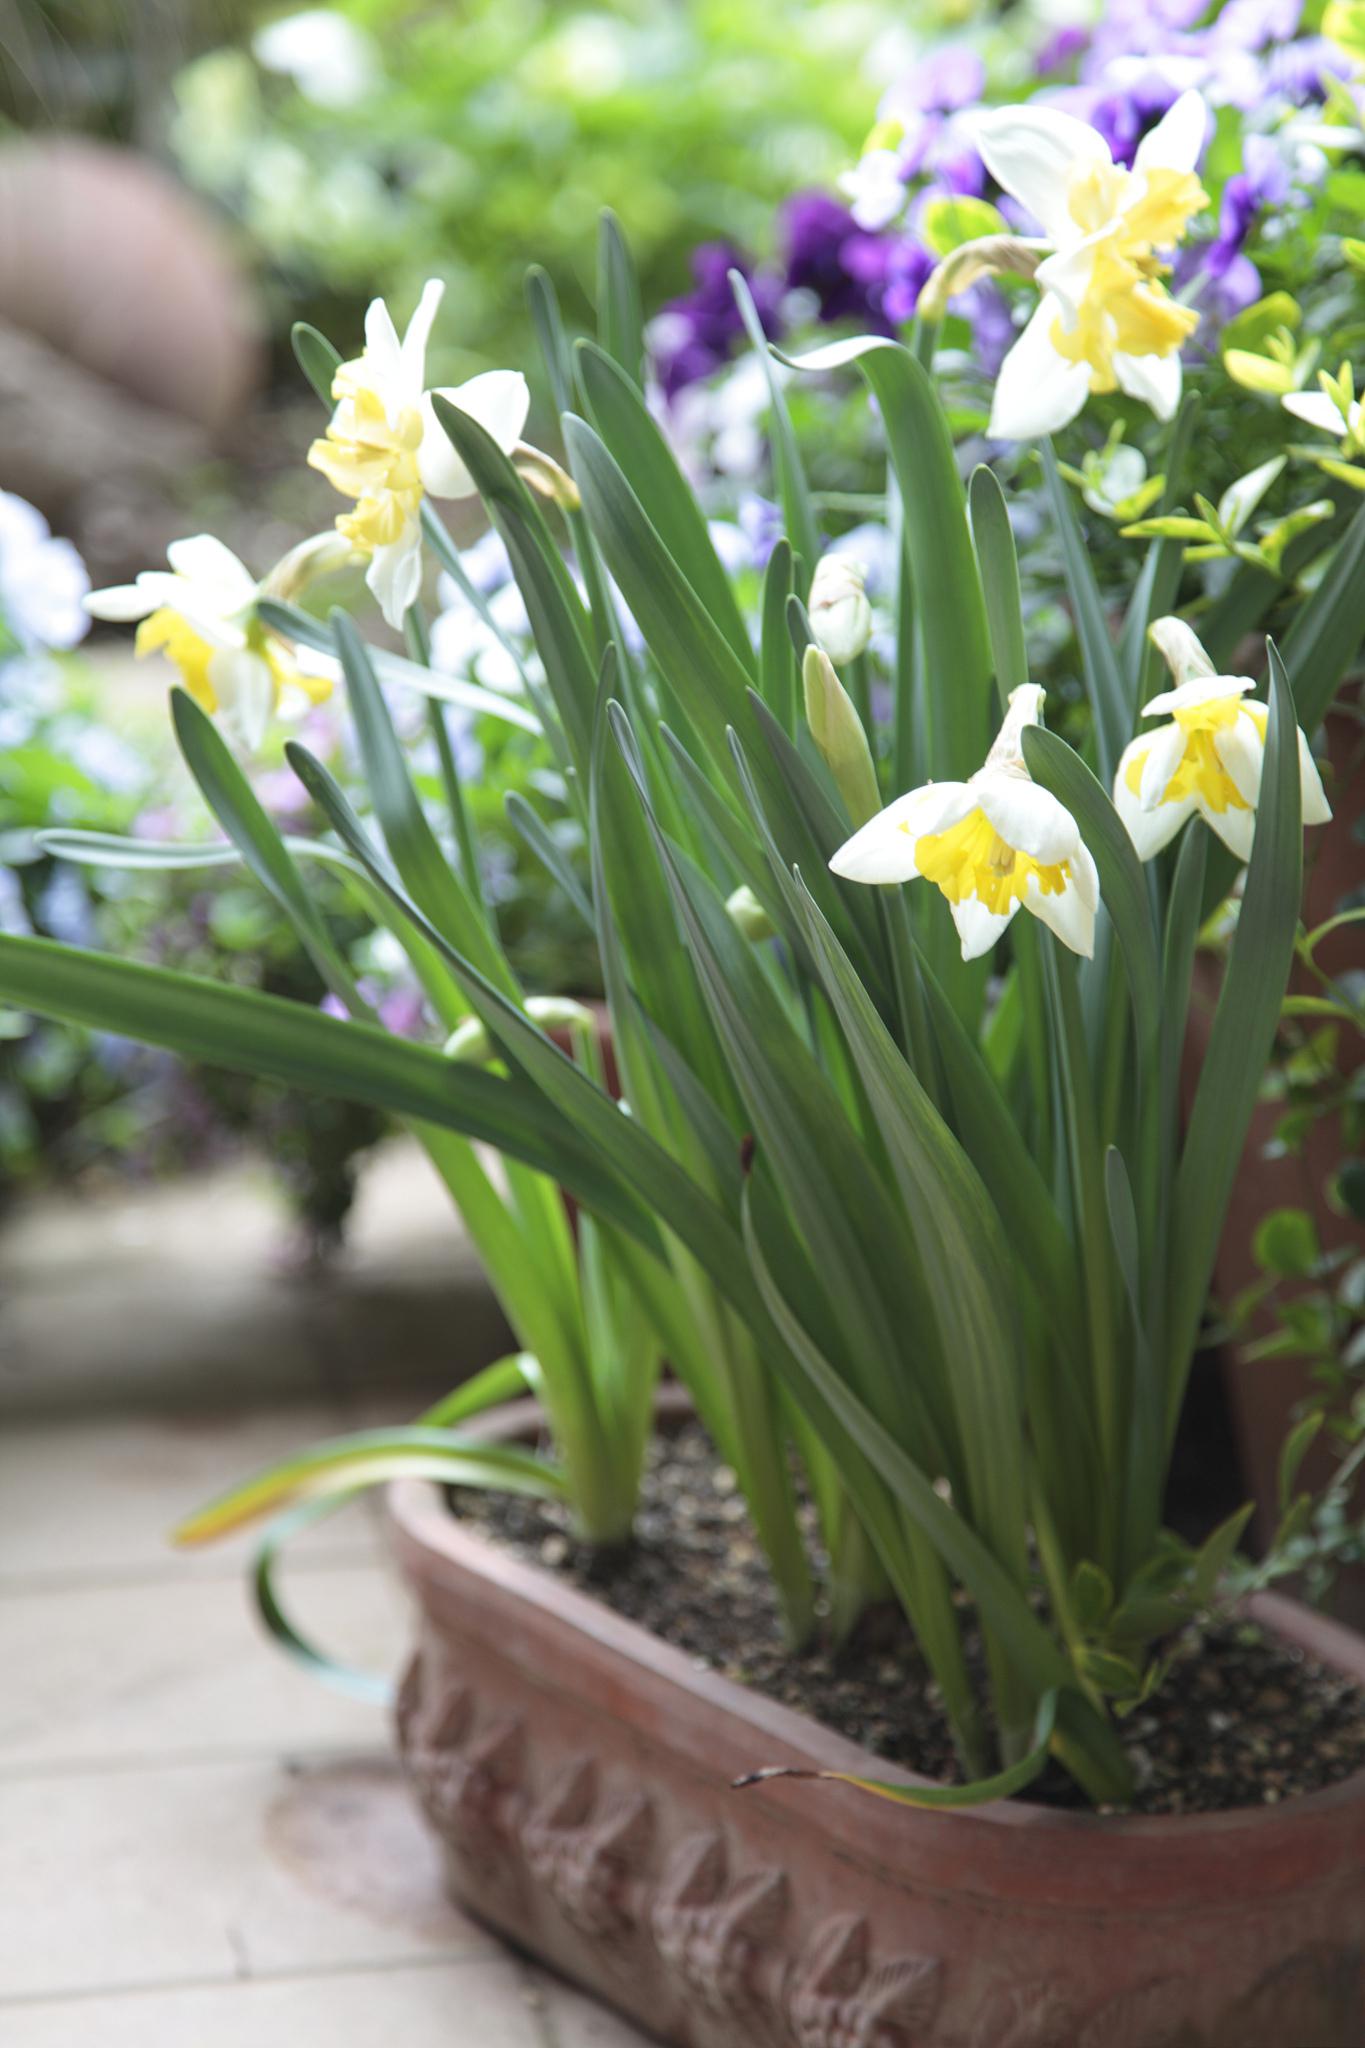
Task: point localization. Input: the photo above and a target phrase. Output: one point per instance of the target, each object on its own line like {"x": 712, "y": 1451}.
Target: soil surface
{"x": 1241, "y": 1720}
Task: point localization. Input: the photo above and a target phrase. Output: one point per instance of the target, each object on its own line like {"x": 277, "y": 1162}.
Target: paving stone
{"x": 470, "y": 2004}
{"x": 183, "y": 1668}
{"x": 97, "y": 1497}
{"x": 574, "y": 2021}
{"x": 208, "y": 1871}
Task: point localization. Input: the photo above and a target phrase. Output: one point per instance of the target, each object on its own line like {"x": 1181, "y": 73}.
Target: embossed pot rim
{"x": 564, "y": 1639}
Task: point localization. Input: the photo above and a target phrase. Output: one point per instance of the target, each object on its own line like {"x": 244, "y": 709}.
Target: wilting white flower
{"x": 840, "y": 615}
{"x": 1207, "y": 760}
{"x": 992, "y": 845}
{"x": 385, "y": 447}
{"x": 1105, "y": 321}
{"x": 201, "y": 613}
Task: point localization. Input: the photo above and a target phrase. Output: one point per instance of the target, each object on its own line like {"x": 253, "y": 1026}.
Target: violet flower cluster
{"x": 862, "y": 259}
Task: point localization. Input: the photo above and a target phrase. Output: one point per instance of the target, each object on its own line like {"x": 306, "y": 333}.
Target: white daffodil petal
{"x": 1241, "y": 749}
{"x": 120, "y": 603}
{"x": 1148, "y": 830}
{"x": 977, "y": 927}
{"x": 1177, "y": 141}
{"x": 383, "y": 350}
{"x": 395, "y": 575}
{"x": 203, "y": 560}
{"x": 1066, "y": 913}
{"x": 1153, "y": 379}
{"x": 1317, "y": 409}
{"x": 1086, "y": 877}
{"x": 1312, "y": 796}
{"x": 1198, "y": 690}
{"x": 413, "y": 349}
{"x": 199, "y": 605}
{"x": 1025, "y": 708}
{"x": 1235, "y": 828}
{"x": 498, "y": 400}
{"x": 245, "y": 690}
{"x": 1165, "y": 751}
{"x": 1026, "y": 816}
{"x": 1034, "y": 152}
{"x": 883, "y": 850}
{"x": 1038, "y": 391}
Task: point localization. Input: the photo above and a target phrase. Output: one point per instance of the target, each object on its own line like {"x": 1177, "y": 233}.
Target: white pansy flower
{"x": 385, "y": 447}
{"x": 1105, "y": 321}
{"x": 1207, "y": 761}
{"x": 992, "y": 845}
{"x": 201, "y": 613}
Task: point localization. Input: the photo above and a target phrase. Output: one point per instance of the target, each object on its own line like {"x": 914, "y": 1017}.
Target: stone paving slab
{"x": 199, "y": 1845}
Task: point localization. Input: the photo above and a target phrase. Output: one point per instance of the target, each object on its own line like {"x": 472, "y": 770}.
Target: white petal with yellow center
{"x": 883, "y": 850}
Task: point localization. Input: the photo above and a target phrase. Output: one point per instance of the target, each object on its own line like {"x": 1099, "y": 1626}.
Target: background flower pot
{"x": 577, "y": 1770}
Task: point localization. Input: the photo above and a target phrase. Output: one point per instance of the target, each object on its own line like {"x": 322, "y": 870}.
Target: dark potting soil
{"x": 1241, "y": 1720}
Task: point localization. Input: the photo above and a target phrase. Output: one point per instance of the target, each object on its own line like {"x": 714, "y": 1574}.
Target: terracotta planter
{"x": 577, "y": 1770}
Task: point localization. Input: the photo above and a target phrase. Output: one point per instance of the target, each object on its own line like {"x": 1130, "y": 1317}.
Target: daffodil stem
{"x": 419, "y": 647}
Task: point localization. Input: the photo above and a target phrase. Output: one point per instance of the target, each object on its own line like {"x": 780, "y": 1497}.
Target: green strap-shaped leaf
{"x": 238, "y": 810}
{"x": 1326, "y": 634}
{"x": 949, "y": 608}
{"x": 630, "y": 432}
{"x": 1243, "y": 1032}
{"x": 302, "y": 627}
{"x": 555, "y": 609}
{"x": 1123, "y": 886}
{"x": 300, "y": 1047}
{"x": 793, "y": 492}
{"x": 620, "y": 319}
{"x": 542, "y": 302}
{"x": 438, "y": 891}
{"x": 1110, "y": 703}
{"x": 317, "y": 358}
{"x": 777, "y": 670}
{"x": 995, "y": 554}
{"x": 938, "y": 1798}
{"x": 693, "y": 653}
{"x": 532, "y": 830}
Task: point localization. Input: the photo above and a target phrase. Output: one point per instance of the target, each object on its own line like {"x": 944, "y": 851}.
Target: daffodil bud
{"x": 748, "y": 915}
{"x": 987, "y": 256}
{"x": 838, "y": 732}
{"x": 322, "y": 554}
{"x": 472, "y": 1044}
{"x": 1180, "y": 649}
{"x": 840, "y": 615}
{"x": 545, "y": 476}
{"x": 469, "y": 1043}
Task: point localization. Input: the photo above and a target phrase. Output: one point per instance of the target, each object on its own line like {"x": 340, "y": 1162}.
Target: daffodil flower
{"x": 1105, "y": 321}
{"x": 385, "y": 447}
{"x": 993, "y": 845}
{"x": 201, "y": 613}
{"x": 1207, "y": 760}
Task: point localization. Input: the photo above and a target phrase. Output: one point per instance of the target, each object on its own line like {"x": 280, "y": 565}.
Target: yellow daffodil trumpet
{"x": 992, "y": 845}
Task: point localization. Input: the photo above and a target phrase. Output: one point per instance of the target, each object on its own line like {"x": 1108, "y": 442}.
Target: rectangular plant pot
{"x": 578, "y": 1772}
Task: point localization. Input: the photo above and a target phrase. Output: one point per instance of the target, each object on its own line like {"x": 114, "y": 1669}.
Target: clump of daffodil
{"x": 1335, "y": 409}
{"x": 385, "y": 448}
{"x": 1207, "y": 760}
{"x": 992, "y": 845}
{"x": 1105, "y": 321}
{"x": 201, "y": 613}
